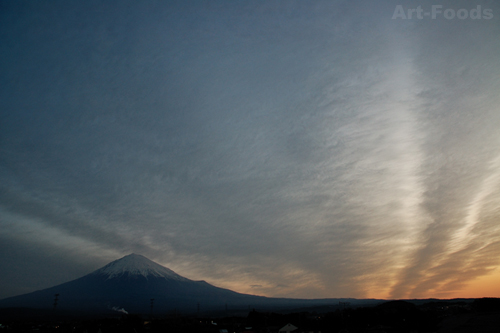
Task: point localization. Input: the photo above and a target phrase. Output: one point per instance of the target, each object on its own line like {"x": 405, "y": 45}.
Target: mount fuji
{"x": 130, "y": 283}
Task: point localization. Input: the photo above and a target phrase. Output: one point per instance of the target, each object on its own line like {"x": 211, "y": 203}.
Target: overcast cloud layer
{"x": 296, "y": 148}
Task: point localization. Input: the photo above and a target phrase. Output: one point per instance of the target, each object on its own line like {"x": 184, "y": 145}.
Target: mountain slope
{"x": 132, "y": 281}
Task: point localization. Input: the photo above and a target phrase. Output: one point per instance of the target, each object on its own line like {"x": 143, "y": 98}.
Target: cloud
{"x": 287, "y": 150}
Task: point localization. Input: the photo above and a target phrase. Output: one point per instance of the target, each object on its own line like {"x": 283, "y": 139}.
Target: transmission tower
{"x": 152, "y": 303}
{"x": 56, "y": 298}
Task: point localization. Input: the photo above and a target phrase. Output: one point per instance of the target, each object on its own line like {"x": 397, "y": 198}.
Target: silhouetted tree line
{"x": 486, "y": 304}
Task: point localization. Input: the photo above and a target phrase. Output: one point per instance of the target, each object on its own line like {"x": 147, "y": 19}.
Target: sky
{"x": 305, "y": 149}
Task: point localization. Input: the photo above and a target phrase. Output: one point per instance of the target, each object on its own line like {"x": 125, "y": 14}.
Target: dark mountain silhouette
{"x": 129, "y": 284}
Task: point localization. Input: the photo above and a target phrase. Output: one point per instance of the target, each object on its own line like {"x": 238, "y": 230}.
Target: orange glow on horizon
{"x": 484, "y": 286}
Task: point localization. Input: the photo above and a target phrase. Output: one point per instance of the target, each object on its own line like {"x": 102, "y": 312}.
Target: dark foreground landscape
{"x": 478, "y": 315}
{"x": 135, "y": 294}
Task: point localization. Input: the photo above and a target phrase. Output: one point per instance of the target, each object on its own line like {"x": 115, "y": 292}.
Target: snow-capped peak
{"x": 135, "y": 264}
